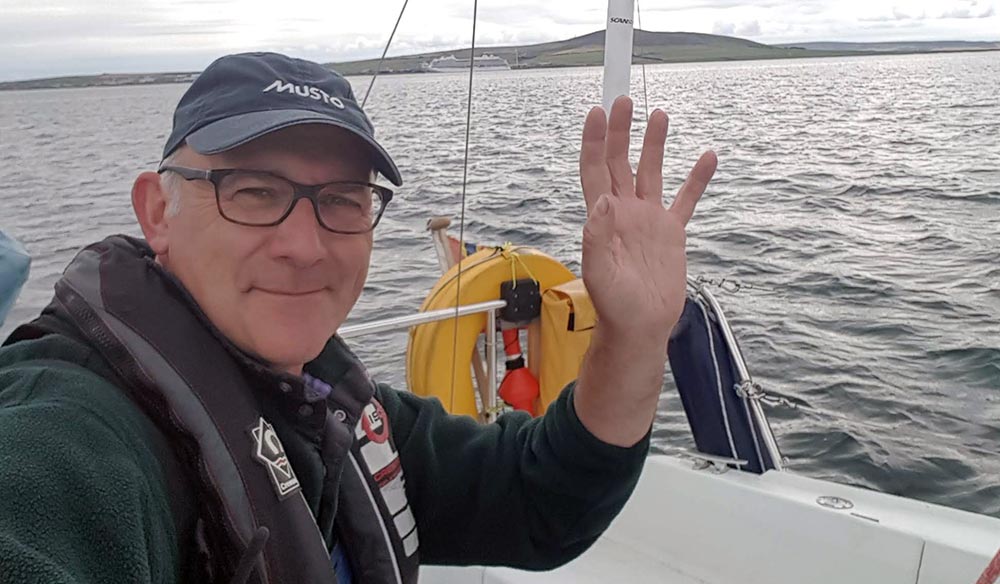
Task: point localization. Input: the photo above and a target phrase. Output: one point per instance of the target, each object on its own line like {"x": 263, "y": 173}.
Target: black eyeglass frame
{"x": 301, "y": 191}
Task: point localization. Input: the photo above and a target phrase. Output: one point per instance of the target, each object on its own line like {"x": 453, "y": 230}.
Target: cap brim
{"x": 237, "y": 130}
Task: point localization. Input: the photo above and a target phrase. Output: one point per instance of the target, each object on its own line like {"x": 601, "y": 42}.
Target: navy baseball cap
{"x": 239, "y": 98}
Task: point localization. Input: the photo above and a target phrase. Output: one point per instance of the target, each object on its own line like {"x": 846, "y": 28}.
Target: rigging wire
{"x": 381, "y": 60}
{"x": 461, "y": 220}
{"x": 645, "y": 99}
{"x": 465, "y": 163}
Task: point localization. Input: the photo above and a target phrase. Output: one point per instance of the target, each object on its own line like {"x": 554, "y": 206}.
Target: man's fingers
{"x": 594, "y": 176}
{"x": 649, "y": 177}
{"x": 616, "y": 148}
{"x": 692, "y": 189}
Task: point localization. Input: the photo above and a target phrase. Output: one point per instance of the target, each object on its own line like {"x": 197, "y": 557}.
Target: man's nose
{"x": 300, "y": 236}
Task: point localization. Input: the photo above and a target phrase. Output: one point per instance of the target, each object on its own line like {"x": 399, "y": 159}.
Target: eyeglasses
{"x": 264, "y": 199}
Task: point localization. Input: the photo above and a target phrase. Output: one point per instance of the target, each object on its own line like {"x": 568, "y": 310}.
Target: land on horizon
{"x": 582, "y": 51}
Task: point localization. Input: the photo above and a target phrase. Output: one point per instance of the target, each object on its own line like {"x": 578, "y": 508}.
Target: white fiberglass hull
{"x": 687, "y": 526}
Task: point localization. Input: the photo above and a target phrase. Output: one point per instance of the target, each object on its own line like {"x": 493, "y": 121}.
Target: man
{"x": 182, "y": 411}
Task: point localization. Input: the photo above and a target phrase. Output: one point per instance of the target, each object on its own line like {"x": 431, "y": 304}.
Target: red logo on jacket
{"x": 375, "y": 423}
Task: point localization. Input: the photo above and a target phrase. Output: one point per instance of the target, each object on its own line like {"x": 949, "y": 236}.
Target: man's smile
{"x": 289, "y": 293}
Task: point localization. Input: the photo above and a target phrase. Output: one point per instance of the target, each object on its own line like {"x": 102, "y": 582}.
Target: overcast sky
{"x": 40, "y": 38}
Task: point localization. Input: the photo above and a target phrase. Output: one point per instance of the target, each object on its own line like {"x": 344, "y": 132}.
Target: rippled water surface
{"x": 857, "y": 200}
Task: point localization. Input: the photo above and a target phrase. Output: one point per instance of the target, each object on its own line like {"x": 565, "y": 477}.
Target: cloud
{"x": 970, "y": 12}
{"x": 55, "y": 37}
{"x": 724, "y": 28}
{"x": 748, "y": 29}
{"x": 803, "y": 6}
{"x": 897, "y": 14}
{"x": 715, "y": 4}
{"x": 742, "y": 29}
{"x": 964, "y": 9}
{"x": 526, "y": 14}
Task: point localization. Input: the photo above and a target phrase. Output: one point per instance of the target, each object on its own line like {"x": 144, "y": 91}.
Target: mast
{"x": 617, "y": 50}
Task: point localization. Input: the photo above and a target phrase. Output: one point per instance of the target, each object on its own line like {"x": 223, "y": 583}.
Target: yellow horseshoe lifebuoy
{"x": 433, "y": 367}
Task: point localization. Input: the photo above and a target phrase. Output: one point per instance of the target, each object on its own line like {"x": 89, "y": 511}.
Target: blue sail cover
{"x": 702, "y": 366}
{"x": 14, "y": 263}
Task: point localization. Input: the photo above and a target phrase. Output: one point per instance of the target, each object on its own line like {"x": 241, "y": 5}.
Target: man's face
{"x": 276, "y": 292}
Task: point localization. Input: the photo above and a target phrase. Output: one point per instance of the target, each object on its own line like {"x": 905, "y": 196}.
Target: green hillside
{"x": 649, "y": 47}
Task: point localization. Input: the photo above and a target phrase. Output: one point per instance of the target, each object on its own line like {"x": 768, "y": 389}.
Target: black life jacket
{"x": 254, "y": 522}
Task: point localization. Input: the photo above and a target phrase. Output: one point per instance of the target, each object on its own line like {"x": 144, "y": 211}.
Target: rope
{"x": 509, "y": 252}
{"x": 378, "y": 68}
{"x": 730, "y": 284}
{"x": 461, "y": 220}
{"x": 754, "y": 391}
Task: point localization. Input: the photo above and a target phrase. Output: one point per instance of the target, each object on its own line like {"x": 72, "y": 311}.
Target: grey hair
{"x": 171, "y": 183}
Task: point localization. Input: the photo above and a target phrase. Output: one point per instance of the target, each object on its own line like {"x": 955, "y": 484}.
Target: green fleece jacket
{"x": 90, "y": 491}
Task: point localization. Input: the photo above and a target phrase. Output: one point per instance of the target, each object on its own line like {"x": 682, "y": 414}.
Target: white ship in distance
{"x": 452, "y": 63}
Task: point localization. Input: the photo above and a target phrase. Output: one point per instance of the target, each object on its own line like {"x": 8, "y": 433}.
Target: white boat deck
{"x": 607, "y": 562}
{"x": 686, "y": 526}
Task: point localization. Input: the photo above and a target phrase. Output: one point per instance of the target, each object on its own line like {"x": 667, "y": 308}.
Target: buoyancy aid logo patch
{"x": 375, "y": 423}
{"x": 269, "y": 452}
{"x": 374, "y": 435}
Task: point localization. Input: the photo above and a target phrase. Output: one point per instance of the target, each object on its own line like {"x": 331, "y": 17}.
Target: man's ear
{"x": 150, "y": 203}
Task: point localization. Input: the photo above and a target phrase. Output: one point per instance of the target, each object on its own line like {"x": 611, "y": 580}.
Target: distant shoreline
{"x": 584, "y": 51}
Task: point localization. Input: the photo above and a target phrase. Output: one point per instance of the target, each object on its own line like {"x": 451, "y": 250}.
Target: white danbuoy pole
{"x": 617, "y": 50}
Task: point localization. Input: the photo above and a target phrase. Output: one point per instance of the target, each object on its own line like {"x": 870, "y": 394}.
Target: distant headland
{"x": 582, "y": 51}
